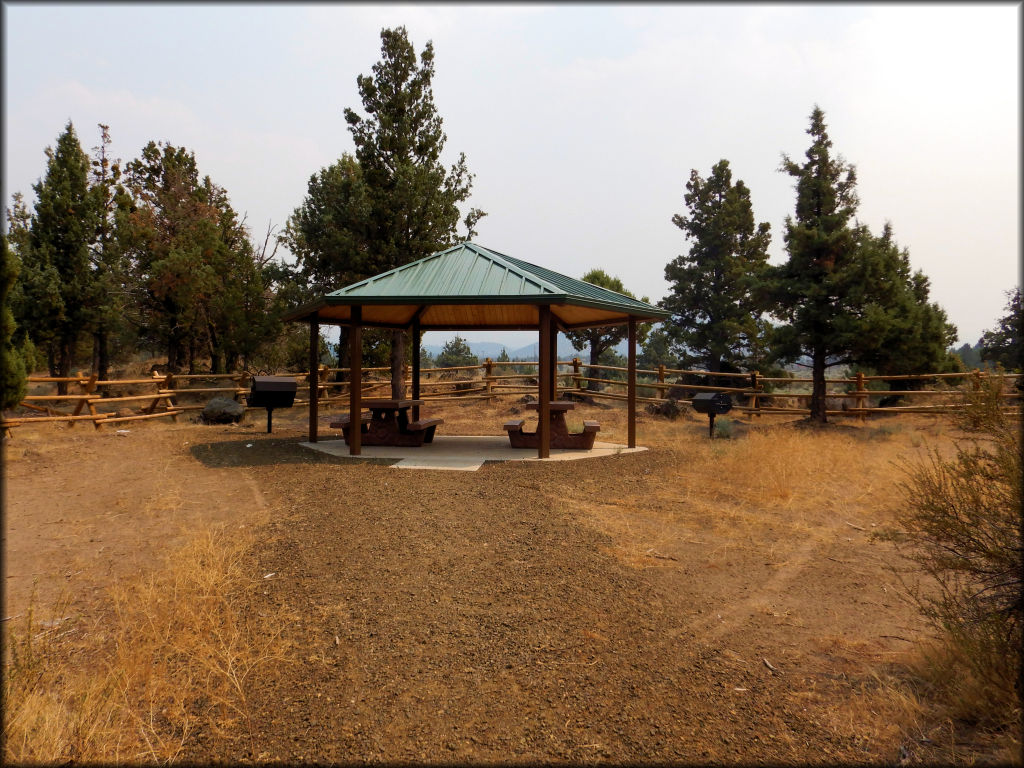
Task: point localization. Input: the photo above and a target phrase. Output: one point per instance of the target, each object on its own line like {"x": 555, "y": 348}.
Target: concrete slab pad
{"x": 462, "y": 452}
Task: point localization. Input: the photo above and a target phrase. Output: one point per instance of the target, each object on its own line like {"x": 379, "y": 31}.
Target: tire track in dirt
{"x": 471, "y": 618}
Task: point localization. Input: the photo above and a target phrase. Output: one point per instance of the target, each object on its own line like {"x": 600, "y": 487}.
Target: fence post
{"x": 976, "y": 379}
{"x": 576, "y": 373}
{"x": 488, "y": 375}
{"x": 756, "y": 404}
{"x": 861, "y": 396}
{"x": 661, "y": 381}
{"x": 87, "y": 389}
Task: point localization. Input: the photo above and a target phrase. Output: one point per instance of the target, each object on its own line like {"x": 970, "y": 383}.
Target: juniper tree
{"x": 197, "y": 283}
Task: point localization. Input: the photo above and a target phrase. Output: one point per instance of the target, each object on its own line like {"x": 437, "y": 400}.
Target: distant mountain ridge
{"x": 492, "y": 349}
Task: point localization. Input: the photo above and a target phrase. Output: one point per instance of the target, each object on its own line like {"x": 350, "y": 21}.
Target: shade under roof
{"x": 469, "y": 286}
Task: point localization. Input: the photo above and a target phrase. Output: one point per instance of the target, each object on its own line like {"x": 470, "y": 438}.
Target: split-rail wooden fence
{"x": 168, "y": 395}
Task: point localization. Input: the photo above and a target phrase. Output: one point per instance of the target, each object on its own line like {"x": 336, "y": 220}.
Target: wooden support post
{"x": 355, "y": 390}
{"x": 553, "y": 351}
{"x": 576, "y": 376}
{"x": 544, "y": 385}
{"x": 416, "y": 366}
{"x": 314, "y": 369}
{"x": 631, "y": 385}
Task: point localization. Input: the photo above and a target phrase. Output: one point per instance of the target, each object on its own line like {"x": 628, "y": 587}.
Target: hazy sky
{"x": 580, "y": 122}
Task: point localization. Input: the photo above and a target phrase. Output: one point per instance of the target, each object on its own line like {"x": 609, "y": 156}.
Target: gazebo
{"x": 469, "y": 287}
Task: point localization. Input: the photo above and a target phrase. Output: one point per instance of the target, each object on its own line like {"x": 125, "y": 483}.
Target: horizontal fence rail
{"x": 169, "y": 394}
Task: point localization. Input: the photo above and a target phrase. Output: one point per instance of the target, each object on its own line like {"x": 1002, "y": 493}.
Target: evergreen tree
{"x": 902, "y": 332}
{"x": 657, "y": 350}
{"x": 714, "y": 298}
{"x": 329, "y": 233}
{"x": 107, "y": 299}
{"x": 393, "y": 202}
{"x": 58, "y": 260}
{"x": 1005, "y": 344}
{"x": 35, "y": 297}
{"x": 969, "y": 356}
{"x": 812, "y": 289}
{"x": 600, "y": 339}
{"x": 848, "y": 296}
{"x": 12, "y": 364}
{"x": 456, "y": 352}
{"x": 198, "y": 285}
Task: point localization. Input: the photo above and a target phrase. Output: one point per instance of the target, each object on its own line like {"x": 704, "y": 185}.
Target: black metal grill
{"x": 272, "y": 392}
{"x": 713, "y": 404}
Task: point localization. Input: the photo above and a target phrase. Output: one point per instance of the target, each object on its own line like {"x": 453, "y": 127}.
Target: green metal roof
{"x": 469, "y": 274}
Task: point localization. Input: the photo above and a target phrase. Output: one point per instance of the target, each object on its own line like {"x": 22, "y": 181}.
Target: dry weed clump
{"x": 173, "y": 650}
{"x": 963, "y": 529}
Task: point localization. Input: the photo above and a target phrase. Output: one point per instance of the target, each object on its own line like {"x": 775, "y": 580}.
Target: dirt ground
{"x": 594, "y": 610}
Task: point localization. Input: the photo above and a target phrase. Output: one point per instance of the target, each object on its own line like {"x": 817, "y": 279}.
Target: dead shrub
{"x": 963, "y": 529}
{"x": 174, "y": 651}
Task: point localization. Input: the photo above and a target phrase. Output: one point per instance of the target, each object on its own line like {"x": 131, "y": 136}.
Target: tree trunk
{"x": 818, "y": 414}
{"x": 174, "y": 355}
{"x": 64, "y": 363}
{"x": 344, "y": 356}
{"x": 102, "y": 354}
{"x": 595, "y": 354}
{"x": 397, "y": 363}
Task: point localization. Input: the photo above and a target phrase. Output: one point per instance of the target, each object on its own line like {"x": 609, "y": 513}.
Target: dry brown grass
{"x": 131, "y": 683}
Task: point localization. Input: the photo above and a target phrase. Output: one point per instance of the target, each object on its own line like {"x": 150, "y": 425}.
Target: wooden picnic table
{"x": 561, "y": 437}
{"x": 388, "y": 424}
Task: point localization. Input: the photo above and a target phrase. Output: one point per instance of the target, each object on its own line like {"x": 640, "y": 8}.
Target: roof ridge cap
{"x": 508, "y": 262}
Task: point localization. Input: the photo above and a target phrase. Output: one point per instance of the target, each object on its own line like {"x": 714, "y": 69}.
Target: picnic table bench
{"x": 388, "y": 424}
{"x": 561, "y": 437}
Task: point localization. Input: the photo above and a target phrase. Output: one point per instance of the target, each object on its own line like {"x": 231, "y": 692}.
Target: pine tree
{"x": 813, "y": 287}
{"x": 714, "y": 297}
{"x": 393, "y": 202}
{"x": 849, "y": 297}
{"x": 59, "y": 258}
{"x": 107, "y": 298}
{"x": 599, "y": 340}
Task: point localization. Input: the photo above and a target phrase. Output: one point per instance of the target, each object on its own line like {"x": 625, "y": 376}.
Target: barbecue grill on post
{"x": 272, "y": 392}
{"x": 712, "y": 403}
